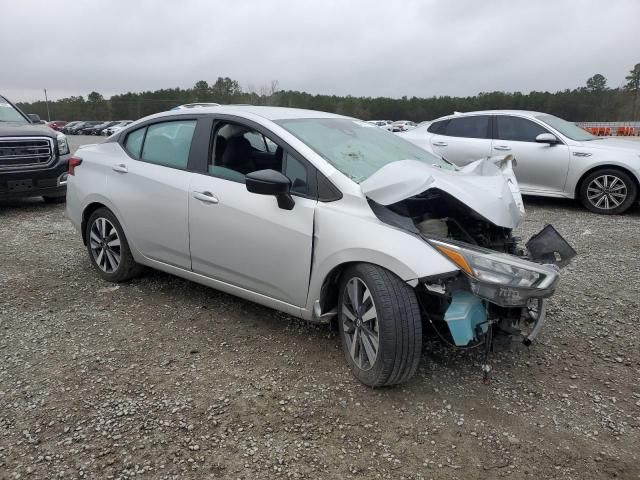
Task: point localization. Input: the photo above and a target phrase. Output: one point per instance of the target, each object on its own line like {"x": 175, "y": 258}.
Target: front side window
{"x": 474, "y": 126}
{"x": 568, "y": 129}
{"x": 517, "y": 129}
{"x": 168, "y": 143}
{"x": 297, "y": 172}
{"x": 358, "y": 149}
{"x": 10, "y": 114}
{"x": 238, "y": 150}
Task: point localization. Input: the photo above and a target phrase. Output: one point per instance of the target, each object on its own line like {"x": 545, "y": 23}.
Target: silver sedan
{"x": 324, "y": 217}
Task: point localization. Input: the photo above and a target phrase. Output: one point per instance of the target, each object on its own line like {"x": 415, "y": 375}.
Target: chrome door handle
{"x": 207, "y": 197}
{"x": 121, "y": 168}
{"x": 439, "y": 144}
{"x": 502, "y": 147}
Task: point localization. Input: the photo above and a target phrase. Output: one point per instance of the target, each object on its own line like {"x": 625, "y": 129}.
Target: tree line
{"x": 594, "y": 101}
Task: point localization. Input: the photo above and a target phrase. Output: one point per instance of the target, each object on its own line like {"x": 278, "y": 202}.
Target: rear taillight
{"x": 73, "y": 163}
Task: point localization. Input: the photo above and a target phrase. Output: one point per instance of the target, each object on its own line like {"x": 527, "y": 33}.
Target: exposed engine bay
{"x": 464, "y": 309}
{"x": 436, "y": 213}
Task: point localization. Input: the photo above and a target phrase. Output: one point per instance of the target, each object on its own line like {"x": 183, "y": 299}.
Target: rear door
{"x": 149, "y": 185}
{"x": 539, "y": 167}
{"x": 463, "y": 139}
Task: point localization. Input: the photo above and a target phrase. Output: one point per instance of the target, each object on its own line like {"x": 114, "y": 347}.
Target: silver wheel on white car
{"x": 380, "y": 325}
{"x": 105, "y": 245}
{"x": 108, "y": 248}
{"x": 360, "y": 324}
{"x": 608, "y": 191}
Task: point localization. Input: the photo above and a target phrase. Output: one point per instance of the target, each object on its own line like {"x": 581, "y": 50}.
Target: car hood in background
{"x": 16, "y": 129}
{"x": 481, "y": 186}
{"x": 612, "y": 144}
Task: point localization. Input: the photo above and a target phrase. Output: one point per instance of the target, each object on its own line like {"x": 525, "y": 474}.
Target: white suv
{"x": 554, "y": 158}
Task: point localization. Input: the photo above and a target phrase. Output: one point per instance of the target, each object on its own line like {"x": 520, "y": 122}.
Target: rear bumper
{"x": 34, "y": 182}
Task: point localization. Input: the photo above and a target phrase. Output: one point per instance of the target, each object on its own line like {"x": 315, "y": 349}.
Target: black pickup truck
{"x": 33, "y": 157}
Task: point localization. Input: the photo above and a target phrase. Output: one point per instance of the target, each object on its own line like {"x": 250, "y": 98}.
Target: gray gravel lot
{"x": 163, "y": 378}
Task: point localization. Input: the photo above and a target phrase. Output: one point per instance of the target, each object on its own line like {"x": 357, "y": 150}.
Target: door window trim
{"x": 488, "y": 135}
{"x": 495, "y": 132}
{"x": 312, "y": 172}
{"x": 201, "y": 123}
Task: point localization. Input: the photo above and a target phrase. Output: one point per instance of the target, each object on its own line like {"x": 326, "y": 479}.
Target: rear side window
{"x": 475, "y": 126}
{"x": 133, "y": 144}
{"x": 168, "y": 143}
{"x": 437, "y": 127}
{"x": 517, "y": 129}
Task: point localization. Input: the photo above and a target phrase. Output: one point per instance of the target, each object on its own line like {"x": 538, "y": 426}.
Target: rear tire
{"x": 608, "y": 191}
{"x": 380, "y": 325}
{"x": 108, "y": 248}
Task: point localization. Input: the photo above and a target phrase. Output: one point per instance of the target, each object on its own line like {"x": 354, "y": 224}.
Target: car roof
{"x": 270, "y": 113}
{"x": 523, "y": 113}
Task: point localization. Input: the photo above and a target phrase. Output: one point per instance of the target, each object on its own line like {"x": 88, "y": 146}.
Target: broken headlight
{"x": 503, "y": 279}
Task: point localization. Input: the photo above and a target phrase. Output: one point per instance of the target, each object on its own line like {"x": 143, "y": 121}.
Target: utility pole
{"x": 46, "y": 101}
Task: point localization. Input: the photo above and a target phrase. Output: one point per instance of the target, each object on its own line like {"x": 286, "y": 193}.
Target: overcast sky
{"x": 358, "y": 47}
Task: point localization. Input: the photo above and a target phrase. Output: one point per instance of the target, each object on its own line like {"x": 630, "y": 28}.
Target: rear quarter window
{"x": 133, "y": 143}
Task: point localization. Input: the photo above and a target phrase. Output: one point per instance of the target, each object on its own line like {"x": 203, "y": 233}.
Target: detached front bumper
{"x": 34, "y": 182}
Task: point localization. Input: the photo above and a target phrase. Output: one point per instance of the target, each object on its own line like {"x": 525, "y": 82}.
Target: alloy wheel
{"x": 360, "y": 324}
{"x": 105, "y": 245}
{"x": 607, "y": 192}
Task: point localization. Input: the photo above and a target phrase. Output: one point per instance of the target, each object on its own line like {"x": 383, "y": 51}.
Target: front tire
{"x": 108, "y": 248}
{"x": 608, "y": 191}
{"x": 380, "y": 325}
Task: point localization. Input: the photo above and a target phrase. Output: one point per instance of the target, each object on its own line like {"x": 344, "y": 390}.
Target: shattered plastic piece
{"x": 548, "y": 246}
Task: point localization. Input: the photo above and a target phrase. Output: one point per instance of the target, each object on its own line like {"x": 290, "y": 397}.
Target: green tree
{"x": 597, "y": 83}
{"x": 633, "y": 86}
{"x": 202, "y": 91}
{"x": 226, "y": 89}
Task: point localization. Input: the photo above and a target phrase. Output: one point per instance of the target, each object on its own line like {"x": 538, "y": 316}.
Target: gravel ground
{"x": 163, "y": 378}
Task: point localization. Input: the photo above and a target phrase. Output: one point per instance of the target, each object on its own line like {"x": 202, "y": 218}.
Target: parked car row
{"x": 92, "y": 127}
{"x": 397, "y": 126}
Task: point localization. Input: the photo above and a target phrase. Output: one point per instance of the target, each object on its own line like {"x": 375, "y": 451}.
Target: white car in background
{"x": 117, "y": 127}
{"x": 380, "y": 123}
{"x": 402, "y": 126}
{"x": 554, "y": 158}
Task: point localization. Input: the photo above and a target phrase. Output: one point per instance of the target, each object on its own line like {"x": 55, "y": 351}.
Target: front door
{"x": 245, "y": 239}
{"x": 540, "y": 167}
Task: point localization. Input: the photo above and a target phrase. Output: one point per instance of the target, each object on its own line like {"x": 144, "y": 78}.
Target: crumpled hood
{"x": 14, "y": 129}
{"x": 480, "y": 185}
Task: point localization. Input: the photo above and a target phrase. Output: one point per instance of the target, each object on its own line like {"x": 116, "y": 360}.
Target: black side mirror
{"x": 34, "y": 117}
{"x": 547, "y": 138}
{"x": 271, "y": 182}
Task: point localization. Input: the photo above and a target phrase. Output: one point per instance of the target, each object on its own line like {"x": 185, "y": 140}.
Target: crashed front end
{"x": 500, "y": 288}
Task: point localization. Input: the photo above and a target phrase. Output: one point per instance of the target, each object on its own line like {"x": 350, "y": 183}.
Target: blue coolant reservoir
{"x": 465, "y": 312}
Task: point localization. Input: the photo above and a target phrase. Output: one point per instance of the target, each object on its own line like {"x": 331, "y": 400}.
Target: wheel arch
{"x": 324, "y": 287}
{"x": 606, "y": 166}
{"x": 86, "y": 213}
